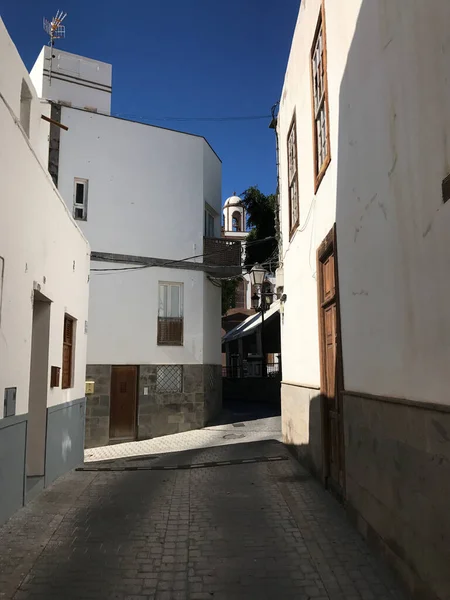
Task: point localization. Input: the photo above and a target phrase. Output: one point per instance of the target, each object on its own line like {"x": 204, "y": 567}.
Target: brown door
{"x": 331, "y": 365}
{"x": 122, "y": 418}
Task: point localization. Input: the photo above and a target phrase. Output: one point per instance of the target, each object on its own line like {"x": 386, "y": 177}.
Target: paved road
{"x": 210, "y": 523}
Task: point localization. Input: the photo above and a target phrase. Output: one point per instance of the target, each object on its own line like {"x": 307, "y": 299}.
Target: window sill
{"x": 178, "y": 344}
{"x": 321, "y": 173}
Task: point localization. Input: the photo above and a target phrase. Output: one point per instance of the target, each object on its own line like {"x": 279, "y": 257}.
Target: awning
{"x": 250, "y": 325}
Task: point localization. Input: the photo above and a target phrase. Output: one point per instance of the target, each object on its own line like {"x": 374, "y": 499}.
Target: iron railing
{"x": 170, "y": 331}
{"x": 253, "y": 370}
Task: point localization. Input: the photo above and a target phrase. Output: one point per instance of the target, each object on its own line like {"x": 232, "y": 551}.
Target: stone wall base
{"x": 301, "y": 424}
{"x": 397, "y": 477}
{"x": 398, "y": 484}
{"x": 158, "y": 413}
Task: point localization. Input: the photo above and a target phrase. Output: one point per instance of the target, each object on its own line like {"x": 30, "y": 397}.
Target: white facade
{"x": 44, "y": 268}
{"x": 142, "y": 195}
{"x": 382, "y": 299}
{"x": 377, "y": 433}
{"x": 392, "y": 225}
{"x": 67, "y": 78}
{"x": 146, "y": 198}
{"x": 41, "y": 245}
{"x": 317, "y": 210}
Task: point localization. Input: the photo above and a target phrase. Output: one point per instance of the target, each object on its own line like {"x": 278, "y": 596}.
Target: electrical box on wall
{"x": 9, "y": 407}
{"x": 89, "y": 387}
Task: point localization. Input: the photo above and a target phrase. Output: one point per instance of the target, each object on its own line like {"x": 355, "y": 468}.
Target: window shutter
{"x": 66, "y": 380}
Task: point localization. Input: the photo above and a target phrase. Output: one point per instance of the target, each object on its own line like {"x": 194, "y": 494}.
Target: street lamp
{"x": 260, "y": 304}
{"x": 258, "y": 274}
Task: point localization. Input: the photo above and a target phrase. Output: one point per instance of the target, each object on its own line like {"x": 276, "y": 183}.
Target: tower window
{"x": 236, "y": 222}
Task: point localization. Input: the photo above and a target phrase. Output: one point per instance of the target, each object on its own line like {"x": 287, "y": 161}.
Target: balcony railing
{"x": 251, "y": 370}
{"x": 223, "y": 256}
{"x": 170, "y": 331}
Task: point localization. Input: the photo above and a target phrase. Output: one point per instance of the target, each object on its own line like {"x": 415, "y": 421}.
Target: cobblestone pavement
{"x": 250, "y": 530}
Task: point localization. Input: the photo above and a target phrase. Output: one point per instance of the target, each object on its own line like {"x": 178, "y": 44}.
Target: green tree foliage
{"x": 261, "y": 219}
{"x": 229, "y": 294}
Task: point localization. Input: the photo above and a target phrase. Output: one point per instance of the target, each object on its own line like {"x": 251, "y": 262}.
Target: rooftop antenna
{"x": 56, "y": 31}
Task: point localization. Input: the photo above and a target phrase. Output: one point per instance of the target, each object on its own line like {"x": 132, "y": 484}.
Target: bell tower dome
{"x": 234, "y": 218}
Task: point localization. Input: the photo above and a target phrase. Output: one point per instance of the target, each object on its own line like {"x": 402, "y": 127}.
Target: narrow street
{"x": 230, "y": 515}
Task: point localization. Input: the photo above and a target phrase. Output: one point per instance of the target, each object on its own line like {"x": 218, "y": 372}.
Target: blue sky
{"x": 181, "y": 58}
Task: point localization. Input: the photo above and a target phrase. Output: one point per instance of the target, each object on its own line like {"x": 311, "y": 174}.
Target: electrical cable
{"x": 191, "y": 119}
{"x": 171, "y": 262}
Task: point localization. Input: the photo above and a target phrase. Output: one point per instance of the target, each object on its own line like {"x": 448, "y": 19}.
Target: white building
{"x": 146, "y": 197}
{"x": 363, "y": 133}
{"x": 44, "y": 269}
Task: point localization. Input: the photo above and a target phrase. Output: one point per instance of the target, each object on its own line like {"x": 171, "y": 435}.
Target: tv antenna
{"x": 56, "y": 31}
{"x": 54, "y": 28}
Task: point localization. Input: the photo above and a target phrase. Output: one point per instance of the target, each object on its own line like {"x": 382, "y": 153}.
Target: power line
{"x": 181, "y": 260}
{"x": 193, "y": 119}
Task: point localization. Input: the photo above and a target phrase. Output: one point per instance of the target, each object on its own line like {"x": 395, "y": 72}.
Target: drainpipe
{"x": 273, "y": 125}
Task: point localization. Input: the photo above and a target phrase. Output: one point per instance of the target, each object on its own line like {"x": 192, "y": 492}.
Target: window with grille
{"x": 209, "y": 224}
{"x": 80, "y": 197}
{"x": 320, "y": 101}
{"x": 170, "y": 314}
{"x": 68, "y": 348}
{"x": 169, "y": 378}
{"x": 293, "y": 176}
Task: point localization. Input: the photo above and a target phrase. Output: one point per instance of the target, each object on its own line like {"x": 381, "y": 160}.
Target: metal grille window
{"x": 170, "y": 314}
{"x": 320, "y": 100}
{"x": 211, "y": 379}
{"x": 293, "y": 176}
{"x": 68, "y": 347}
{"x": 169, "y": 378}
{"x": 80, "y": 197}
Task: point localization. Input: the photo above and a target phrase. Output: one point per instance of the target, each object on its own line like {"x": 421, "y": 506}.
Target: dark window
{"x": 80, "y": 200}
{"x": 68, "y": 347}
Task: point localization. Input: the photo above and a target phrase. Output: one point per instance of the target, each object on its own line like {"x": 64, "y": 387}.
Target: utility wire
{"x": 193, "y": 119}
{"x": 171, "y": 262}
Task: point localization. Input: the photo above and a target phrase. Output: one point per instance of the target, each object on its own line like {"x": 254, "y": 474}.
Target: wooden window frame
{"x": 68, "y": 347}
{"x": 319, "y": 173}
{"x": 162, "y": 339}
{"x": 76, "y": 205}
{"x": 293, "y": 226}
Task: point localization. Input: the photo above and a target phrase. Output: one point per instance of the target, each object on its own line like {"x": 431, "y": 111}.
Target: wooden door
{"x": 331, "y": 366}
{"x": 122, "y": 418}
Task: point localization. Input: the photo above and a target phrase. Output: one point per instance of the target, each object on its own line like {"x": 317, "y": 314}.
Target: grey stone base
{"x": 97, "y": 406}
{"x": 158, "y": 413}
{"x": 13, "y": 441}
{"x": 34, "y": 486}
{"x": 398, "y": 486}
{"x": 301, "y": 423}
{"x": 64, "y": 450}
{"x": 65, "y": 438}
